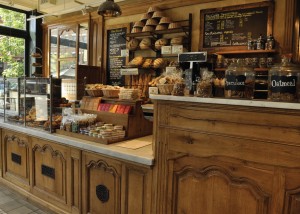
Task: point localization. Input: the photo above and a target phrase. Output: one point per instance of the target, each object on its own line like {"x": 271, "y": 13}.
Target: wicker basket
{"x": 94, "y": 92}
{"x": 165, "y": 89}
{"x": 113, "y": 93}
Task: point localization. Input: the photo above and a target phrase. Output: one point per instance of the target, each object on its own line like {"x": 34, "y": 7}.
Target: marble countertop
{"x": 224, "y": 101}
{"x": 143, "y": 155}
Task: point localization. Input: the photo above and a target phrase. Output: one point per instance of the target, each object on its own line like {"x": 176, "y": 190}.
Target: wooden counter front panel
{"x": 254, "y": 123}
{"x": 16, "y": 150}
{"x": 226, "y": 159}
{"x": 49, "y": 174}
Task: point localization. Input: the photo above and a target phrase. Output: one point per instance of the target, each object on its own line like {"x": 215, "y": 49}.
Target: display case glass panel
{"x": 33, "y": 102}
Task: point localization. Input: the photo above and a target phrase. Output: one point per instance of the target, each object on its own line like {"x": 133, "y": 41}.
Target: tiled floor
{"x": 12, "y": 202}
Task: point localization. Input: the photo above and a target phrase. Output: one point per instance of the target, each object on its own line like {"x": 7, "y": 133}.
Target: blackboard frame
{"x": 268, "y": 4}
{"x": 106, "y": 49}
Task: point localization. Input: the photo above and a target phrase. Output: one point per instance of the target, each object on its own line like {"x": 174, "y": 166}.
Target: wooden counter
{"x": 226, "y": 156}
{"x": 70, "y": 175}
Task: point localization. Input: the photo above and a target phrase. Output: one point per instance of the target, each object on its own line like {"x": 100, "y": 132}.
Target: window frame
{"x": 17, "y": 33}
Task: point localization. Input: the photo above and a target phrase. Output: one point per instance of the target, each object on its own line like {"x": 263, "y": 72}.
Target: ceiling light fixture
{"x": 109, "y": 9}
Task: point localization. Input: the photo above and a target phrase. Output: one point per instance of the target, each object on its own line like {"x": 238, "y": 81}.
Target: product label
{"x": 283, "y": 84}
{"x": 235, "y": 83}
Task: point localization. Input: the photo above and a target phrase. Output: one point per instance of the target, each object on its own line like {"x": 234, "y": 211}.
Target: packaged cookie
{"x": 204, "y": 86}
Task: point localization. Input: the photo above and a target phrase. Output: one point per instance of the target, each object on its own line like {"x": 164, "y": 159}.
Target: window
{"x": 13, "y": 42}
{"x": 68, "y": 48}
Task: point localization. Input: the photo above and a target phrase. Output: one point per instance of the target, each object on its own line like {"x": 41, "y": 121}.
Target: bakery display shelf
{"x": 182, "y": 29}
{"x": 134, "y": 123}
{"x": 141, "y": 34}
{"x": 245, "y": 52}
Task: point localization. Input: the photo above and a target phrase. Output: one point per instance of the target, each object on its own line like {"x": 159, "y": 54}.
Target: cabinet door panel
{"x": 16, "y": 156}
{"x": 50, "y": 172}
{"x": 214, "y": 188}
{"x": 101, "y": 185}
{"x": 136, "y": 189}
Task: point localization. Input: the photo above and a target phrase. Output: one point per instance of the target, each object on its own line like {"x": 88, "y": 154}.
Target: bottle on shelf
{"x": 270, "y": 44}
{"x": 260, "y": 44}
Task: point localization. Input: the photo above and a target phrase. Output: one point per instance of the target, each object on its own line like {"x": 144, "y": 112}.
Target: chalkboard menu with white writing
{"x": 234, "y": 26}
{"x": 116, "y": 42}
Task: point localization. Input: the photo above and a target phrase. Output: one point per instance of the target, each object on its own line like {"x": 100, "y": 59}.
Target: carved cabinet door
{"x": 101, "y": 184}
{"x": 198, "y": 185}
{"x": 16, "y": 150}
{"x": 50, "y": 177}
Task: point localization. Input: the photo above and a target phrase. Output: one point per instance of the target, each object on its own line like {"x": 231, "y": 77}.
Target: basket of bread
{"x": 129, "y": 94}
{"x": 111, "y": 91}
{"x": 94, "y": 90}
{"x": 165, "y": 82}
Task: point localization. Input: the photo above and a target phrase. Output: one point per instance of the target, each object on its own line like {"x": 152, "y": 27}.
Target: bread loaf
{"x": 147, "y": 63}
{"x": 161, "y": 42}
{"x": 139, "y": 24}
{"x": 151, "y": 22}
{"x": 137, "y": 61}
{"x": 145, "y": 43}
{"x": 177, "y": 40}
{"x": 136, "y": 30}
{"x": 159, "y": 63}
{"x": 133, "y": 44}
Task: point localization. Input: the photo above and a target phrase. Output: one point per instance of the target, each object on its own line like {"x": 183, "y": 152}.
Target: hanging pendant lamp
{"x": 109, "y": 8}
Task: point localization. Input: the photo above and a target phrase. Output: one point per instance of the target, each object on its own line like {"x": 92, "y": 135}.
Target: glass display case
{"x": 33, "y": 102}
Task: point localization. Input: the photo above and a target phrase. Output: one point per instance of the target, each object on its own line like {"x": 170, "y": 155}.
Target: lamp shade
{"x": 109, "y": 8}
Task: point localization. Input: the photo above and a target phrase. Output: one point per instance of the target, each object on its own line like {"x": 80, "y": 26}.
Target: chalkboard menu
{"x": 116, "y": 42}
{"x": 234, "y": 26}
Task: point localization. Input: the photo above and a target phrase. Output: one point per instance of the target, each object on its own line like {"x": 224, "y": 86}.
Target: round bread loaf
{"x": 145, "y": 17}
{"x": 157, "y": 15}
{"x": 161, "y": 42}
{"x": 148, "y": 28}
{"x": 145, "y": 43}
{"x": 136, "y": 30}
{"x": 151, "y": 22}
{"x": 177, "y": 40}
{"x": 152, "y": 9}
{"x": 133, "y": 44}
{"x": 162, "y": 27}
{"x": 139, "y": 24}
{"x": 174, "y": 25}
{"x": 165, "y": 20}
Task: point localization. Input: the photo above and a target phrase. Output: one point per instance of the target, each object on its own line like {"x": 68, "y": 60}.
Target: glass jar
{"x": 239, "y": 81}
{"x": 284, "y": 82}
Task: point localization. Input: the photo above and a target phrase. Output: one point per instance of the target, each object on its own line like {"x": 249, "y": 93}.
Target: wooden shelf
{"x": 246, "y": 52}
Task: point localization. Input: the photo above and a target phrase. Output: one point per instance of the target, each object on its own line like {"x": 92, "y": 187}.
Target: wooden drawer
{"x": 260, "y": 123}
{"x": 209, "y": 145}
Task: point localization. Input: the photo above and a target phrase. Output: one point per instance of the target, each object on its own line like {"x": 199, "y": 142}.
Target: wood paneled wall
{"x": 177, "y": 10}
